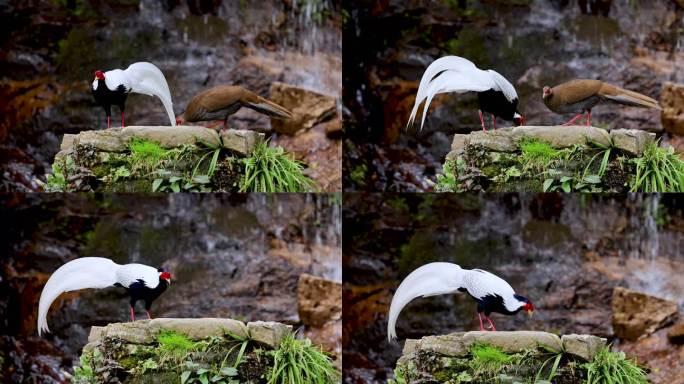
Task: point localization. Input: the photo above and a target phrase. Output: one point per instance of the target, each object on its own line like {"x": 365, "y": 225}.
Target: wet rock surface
{"x": 308, "y": 107}
{"x": 319, "y": 300}
{"x": 636, "y": 314}
{"x": 224, "y": 251}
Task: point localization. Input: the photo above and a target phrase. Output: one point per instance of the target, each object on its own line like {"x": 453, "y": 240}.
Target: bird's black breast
{"x": 493, "y": 303}
{"x": 106, "y": 97}
{"x": 496, "y": 103}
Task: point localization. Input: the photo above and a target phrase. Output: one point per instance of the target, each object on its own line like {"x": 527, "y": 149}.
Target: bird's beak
{"x": 530, "y": 313}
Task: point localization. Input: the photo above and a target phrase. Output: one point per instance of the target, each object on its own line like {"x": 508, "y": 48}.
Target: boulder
{"x": 672, "y": 102}
{"x": 171, "y": 137}
{"x": 117, "y": 139}
{"x": 241, "y": 141}
{"x": 498, "y": 140}
{"x": 268, "y": 332}
{"x": 676, "y": 333}
{"x": 563, "y": 136}
{"x": 319, "y": 300}
{"x": 636, "y": 314}
{"x": 458, "y": 144}
{"x": 145, "y": 331}
{"x": 68, "y": 141}
{"x": 631, "y": 140}
{"x": 458, "y": 344}
{"x": 308, "y": 107}
{"x": 584, "y": 346}
{"x": 514, "y": 341}
{"x": 448, "y": 345}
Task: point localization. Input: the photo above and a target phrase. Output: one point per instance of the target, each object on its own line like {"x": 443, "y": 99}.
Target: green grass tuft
{"x": 272, "y": 170}
{"x": 612, "y": 367}
{"x": 146, "y": 154}
{"x": 658, "y": 170}
{"x": 175, "y": 343}
{"x": 538, "y": 155}
{"x": 299, "y": 362}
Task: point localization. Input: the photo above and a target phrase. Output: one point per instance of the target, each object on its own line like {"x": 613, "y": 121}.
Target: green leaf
{"x": 592, "y": 179}
{"x": 565, "y": 179}
{"x": 175, "y": 187}
{"x": 229, "y": 371}
{"x": 547, "y": 184}
{"x": 201, "y": 179}
{"x": 184, "y": 376}
{"x": 203, "y": 379}
{"x": 156, "y": 183}
{"x": 566, "y": 186}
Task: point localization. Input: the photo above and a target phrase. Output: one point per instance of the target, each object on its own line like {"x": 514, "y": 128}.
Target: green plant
{"x": 174, "y": 346}
{"x": 613, "y": 367}
{"x": 489, "y": 358}
{"x": 196, "y": 373}
{"x": 658, "y": 170}
{"x": 146, "y": 155}
{"x": 85, "y": 373}
{"x": 56, "y": 182}
{"x": 576, "y": 183}
{"x": 299, "y": 362}
{"x": 538, "y": 155}
{"x": 272, "y": 170}
{"x": 554, "y": 358}
{"x": 166, "y": 181}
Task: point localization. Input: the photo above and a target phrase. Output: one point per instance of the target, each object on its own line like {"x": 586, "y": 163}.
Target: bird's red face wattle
{"x": 166, "y": 276}
{"x": 99, "y": 75}
{"x": 546, "y": 92}
{"x": 529, "y": 308}
{"x": 180, "y": 120}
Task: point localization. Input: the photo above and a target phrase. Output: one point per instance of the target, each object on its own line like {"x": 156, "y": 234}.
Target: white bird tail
{"x": 429, "y": 280}
{"x": 86, "y": 272}
{"x": 147, "y": 79}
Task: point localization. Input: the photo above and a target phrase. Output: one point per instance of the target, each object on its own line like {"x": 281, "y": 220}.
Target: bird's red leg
{"x": 122, "y": 119}
{"x": 494, "y": 121}
{"x": 149, "y": 315}
{"x": 481, "y": 325}
{"x": 569, "y": 122}
{"x": 216, "y": 123}
{"x": 482, "y": 121}
{"x": 491, "y": 325}
{"x": 109, "y": 125}
{"x": 588, "y": 117}
{"x": 132, "y": 314}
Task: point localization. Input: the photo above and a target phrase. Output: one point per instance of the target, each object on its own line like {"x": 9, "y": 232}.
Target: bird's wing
{"x": 428, "y": 280}
{"x": 147, "y": 79}
{"x": 503, "y": 85}
{"x": 86, "y": 272}
{"x": 575, "y": 91}
{"x": 128, "y": 274}
{"x": 115, "y": 78}
{"x": 480, "y": 283}
{"x": 449, "y": 74}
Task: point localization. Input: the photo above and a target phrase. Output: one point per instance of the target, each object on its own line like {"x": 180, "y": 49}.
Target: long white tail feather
{"x": 455, "y": 82}
{"x": 147, "y": 79}
{"x": 459, "y": 75}
{"x": 86, "y": 272}
{"x": 428, "y": 280}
